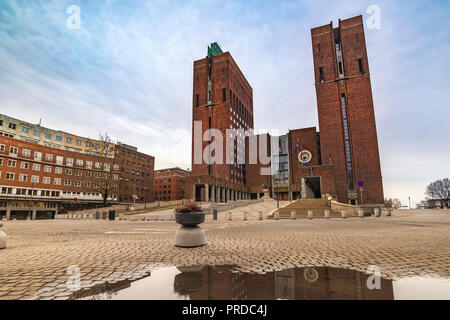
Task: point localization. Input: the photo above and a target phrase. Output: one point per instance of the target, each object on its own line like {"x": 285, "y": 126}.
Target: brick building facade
{"x": 38, "y": 181}
{"x": 222, "y": 100}
{"x": 170, "y": 183}
{"x": 346, "y": 114}
{"x": 310, "y": 164}
{"x": 136, "y": 174}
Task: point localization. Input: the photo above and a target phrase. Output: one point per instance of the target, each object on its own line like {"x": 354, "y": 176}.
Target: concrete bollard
{"x": 260, "y": 216}
{"x": 377, "y": 212}
{"x": 344, "y": 214}
{"x": 245, "y": 216}
{"x": 388, "y": 212}
{"x": 229, "y": 216}
{"x": 327, "y": 214}
{"x": 293, "y": 215}
{"x": 310, "y": 214}
{"x": 361, "y": 213}
{"x": 277, "y": 216}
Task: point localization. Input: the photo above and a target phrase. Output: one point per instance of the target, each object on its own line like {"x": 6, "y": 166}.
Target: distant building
{"x": 170, "y": 183}
{"x": 136, "y": 174}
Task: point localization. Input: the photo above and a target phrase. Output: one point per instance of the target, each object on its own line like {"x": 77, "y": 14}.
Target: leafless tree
{"x": 392, "y": 203}
{"x": 439, "y": 191}
{"x": 106, "y": 170}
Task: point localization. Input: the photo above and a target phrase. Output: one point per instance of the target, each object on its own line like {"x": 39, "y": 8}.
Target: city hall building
{"x": 340, "y": 160}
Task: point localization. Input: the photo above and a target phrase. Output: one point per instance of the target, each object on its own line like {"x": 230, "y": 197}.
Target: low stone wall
{"x": 221, "y": 207}
{"x": 338, "y": 207}
{"x": 121, "y": 208}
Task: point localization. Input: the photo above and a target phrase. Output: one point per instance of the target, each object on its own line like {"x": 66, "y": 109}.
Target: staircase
{"x": 317, "y": 206}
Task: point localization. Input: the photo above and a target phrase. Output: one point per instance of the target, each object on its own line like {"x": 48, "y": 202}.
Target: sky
{"x": 128, "y": 71}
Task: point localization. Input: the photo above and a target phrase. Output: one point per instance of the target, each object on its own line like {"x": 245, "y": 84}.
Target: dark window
{"x": 197, "y": 100}
{"x": 321, "y": 79}
{"x": 224, "y": 94}
{"x": 361, "y": 69}
{"x": 209, "y": 122}
{"x": 340, "y": 67}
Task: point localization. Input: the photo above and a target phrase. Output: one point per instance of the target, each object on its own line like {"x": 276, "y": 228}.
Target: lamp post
{"x": 31, "y": 201}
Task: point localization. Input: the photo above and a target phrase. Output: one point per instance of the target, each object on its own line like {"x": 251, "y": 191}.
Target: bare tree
{"x": 392, "y": 203}
{"x": 106, "y": 170}
{"x": 439, "y": 191}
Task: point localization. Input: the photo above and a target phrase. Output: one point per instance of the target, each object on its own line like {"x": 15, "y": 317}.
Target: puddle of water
{"x": 422, "y": 288}
{"x": 224, "y": 283}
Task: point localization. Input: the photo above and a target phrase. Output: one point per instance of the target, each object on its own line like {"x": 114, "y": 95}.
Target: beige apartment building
{"x": 35, "y": 133}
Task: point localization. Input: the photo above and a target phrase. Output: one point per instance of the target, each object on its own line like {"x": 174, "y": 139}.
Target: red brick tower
{"x": 346, "y": 116}
{"x": 222, "y": 99}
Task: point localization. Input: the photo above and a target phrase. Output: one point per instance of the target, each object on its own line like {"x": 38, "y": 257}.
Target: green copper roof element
{"x": 214, "y": 50}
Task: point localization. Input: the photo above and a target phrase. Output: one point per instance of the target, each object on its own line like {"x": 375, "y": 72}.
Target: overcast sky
{"x": 128, "y": 71}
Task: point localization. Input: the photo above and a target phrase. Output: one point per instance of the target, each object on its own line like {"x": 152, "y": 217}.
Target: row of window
{"x": 163, "y": 198}
{"x": 340, "y": 70}
{"x": 22, "y": 177}
{"x": 37, "y": 156}
{"x": 49, "y": 136}
{"x": 137, "y": 156}
{"x": 30, "y": 192}
{"x": 161, "y": 192}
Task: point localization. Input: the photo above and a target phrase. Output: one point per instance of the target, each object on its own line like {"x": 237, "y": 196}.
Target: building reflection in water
{"x": 220, "y": 283}
{"x": 318, "y": 283}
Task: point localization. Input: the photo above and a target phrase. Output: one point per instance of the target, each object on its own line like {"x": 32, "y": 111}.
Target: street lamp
{"x": 31, "y": 201}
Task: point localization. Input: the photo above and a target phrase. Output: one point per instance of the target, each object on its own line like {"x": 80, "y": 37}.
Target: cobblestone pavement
{"x": 35, "y": 263}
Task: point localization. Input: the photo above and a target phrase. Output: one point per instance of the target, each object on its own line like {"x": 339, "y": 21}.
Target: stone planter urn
{"x": 190, "y": 234}
{"x": 2, "y": 238}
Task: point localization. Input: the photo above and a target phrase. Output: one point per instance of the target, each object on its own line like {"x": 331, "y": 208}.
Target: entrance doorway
{"x": 199, "y": 193}
{"x": 313, "y": 184}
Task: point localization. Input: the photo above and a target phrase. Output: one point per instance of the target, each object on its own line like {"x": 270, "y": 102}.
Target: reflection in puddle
{"x": 220, "y": 283}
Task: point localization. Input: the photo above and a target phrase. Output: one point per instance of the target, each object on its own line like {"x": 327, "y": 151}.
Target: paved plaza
{"x": 35, "y": 263}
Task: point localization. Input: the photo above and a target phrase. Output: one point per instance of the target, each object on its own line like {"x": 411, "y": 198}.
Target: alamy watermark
{"x": 374, "y": 281}
{"x": 211, "y": 147}
{"x": 374, "y": 20}
{"x": 74, "y": 20}
{"x": 73, "y": 283}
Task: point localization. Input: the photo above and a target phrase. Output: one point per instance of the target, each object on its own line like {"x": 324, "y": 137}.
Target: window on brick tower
{"x": 361, "y": 68}
{"x": 340, "y": 68}
{"x": 321, "y": 78}
{"x": 197, "y": 100}
{"x": 224, "y": 94}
